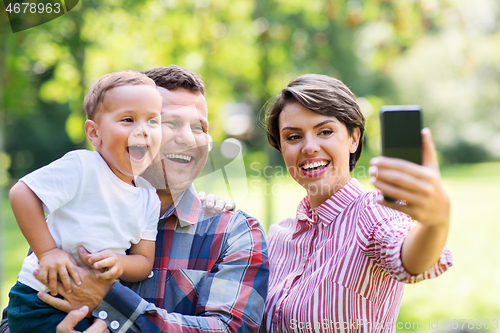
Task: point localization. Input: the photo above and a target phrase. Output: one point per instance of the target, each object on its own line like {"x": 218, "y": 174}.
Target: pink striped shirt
{"x": 338, "y": 268}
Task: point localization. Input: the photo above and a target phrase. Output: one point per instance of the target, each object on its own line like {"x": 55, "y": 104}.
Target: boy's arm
{"x": 133, "y": 267}
{"x": 139, "y": 262}
{"x": 28, "y": 211}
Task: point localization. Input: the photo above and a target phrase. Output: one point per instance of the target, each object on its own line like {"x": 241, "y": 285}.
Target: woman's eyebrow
{"x": 315, "y": 126}
{"x": 324, "y": 122}
{"x": 290, "y": 128}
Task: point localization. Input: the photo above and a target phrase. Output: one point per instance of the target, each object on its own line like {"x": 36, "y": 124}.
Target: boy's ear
{"x": 91, "y": 130}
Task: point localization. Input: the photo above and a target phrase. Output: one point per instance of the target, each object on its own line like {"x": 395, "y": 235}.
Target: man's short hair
{"x": 173, "y": 77}
{"x": 95, "y": 95}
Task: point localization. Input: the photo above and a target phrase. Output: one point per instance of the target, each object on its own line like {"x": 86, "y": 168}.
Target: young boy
{"x": 91, "y": 201}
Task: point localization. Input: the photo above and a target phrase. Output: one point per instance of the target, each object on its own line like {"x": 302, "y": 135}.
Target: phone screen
{"x": 401, "y": 126}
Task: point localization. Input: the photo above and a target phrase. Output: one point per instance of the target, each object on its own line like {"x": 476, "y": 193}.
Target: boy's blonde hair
{"x": 95, "y": 95}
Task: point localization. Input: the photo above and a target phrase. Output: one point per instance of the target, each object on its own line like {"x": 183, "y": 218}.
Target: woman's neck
{"x": 317, "y": 197}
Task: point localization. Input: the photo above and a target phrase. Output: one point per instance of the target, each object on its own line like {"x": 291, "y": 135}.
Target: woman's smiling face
{"x": 316, "y": 150}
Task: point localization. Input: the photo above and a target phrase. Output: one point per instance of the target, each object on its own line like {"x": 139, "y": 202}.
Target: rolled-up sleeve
{"x": 384, "y": 231}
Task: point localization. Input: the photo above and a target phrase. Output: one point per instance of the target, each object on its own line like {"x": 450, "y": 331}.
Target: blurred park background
{"x": 441, "y": 54}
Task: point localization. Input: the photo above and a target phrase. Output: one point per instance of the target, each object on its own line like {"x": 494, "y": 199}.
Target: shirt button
{"x": 103, "y": 315}
{"x": 114, "y": 325}
{"x": 151, "y": 275}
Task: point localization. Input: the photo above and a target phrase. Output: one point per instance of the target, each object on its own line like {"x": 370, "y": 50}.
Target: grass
{"x": 469, "y": 290}
{"x": 13, "y": 249}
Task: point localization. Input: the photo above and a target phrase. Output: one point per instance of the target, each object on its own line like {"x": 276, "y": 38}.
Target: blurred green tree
{"x": 245, "y": 50}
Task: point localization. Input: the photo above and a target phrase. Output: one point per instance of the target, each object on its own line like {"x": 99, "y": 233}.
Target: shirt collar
{"x": 328, "y": 211}
{"x": 187, "y": 207}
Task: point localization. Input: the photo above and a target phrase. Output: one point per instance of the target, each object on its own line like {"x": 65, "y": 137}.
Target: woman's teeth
{"x": 314, "y": 165}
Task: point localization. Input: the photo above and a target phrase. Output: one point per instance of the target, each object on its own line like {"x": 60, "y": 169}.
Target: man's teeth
{"x": 314, "y": 165}
{"x": 178, "y": 156}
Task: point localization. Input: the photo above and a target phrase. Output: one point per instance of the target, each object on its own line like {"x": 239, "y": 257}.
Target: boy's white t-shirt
{"x": 88, "y": 205}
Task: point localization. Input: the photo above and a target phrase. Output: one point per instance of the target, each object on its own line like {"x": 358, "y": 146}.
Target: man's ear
{"x": 356, "y": 134}
{"x": 91, "y": 130}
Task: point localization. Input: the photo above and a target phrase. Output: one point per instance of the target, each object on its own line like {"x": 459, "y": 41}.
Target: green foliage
{"x": 246, "y": 51}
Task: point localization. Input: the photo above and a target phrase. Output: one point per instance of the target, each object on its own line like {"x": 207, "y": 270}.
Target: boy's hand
{"x": 91, "y": 292}
{"x": 54, "y": 263}
{"x": 108, "y": 262}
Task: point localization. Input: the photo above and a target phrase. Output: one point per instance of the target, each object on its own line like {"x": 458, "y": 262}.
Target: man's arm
{"x": 74, "y": 317}
{"x": 231, "y": 298}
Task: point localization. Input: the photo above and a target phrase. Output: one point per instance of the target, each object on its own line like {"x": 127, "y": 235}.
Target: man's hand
{"x": 54, "y": 263}
{"x": 90, "y": 293}
{"x": 108, "y": 262}
{"x": 216, "y": 205}
{"x": 68, "y": 324}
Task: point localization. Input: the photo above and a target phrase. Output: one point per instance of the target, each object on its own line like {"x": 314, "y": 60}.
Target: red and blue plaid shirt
{"x": 210, "y": 275}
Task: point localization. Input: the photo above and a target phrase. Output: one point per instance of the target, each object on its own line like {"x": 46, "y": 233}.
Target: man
{"x": 210, "y": 272}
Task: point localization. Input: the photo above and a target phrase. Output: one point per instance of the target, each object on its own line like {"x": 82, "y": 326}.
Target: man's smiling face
{"x": 184, "y": 146}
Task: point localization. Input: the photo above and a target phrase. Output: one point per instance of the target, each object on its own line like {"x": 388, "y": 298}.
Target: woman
{"x": 340, "y": 265}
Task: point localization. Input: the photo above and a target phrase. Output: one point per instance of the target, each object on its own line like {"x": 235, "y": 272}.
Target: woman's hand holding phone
{"x": 425, "y": 199}
{"x": 419, "y": 186}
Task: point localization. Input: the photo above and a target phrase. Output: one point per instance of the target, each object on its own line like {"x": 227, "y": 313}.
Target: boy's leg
{"x": 27, "y": 313}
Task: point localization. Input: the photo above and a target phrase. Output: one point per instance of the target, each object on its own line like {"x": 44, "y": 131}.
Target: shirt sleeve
{"x": 152, "y": 216}
{"x": 231, "y": 299}
{"x": 56, "y": 183}
{"x": 382, "y": 234}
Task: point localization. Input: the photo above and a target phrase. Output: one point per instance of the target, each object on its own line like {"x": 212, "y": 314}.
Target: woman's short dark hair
{"x": 322, "y": 95}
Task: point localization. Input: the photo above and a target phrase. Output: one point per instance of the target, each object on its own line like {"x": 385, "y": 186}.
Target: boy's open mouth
{"x": 137, "y": 152}
{"x": 179, "y": 158}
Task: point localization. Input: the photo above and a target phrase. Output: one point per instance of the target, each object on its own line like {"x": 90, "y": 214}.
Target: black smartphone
{"x": 400, "y": 130}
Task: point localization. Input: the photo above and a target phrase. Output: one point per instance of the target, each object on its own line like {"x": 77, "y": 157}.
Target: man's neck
{"x": 166, "y": 200}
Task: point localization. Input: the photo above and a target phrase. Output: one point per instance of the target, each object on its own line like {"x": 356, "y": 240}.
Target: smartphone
{"x": 400, "y": 130}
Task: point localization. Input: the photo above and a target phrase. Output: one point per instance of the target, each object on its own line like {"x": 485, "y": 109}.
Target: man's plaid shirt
{"x": 210, "y": 275}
